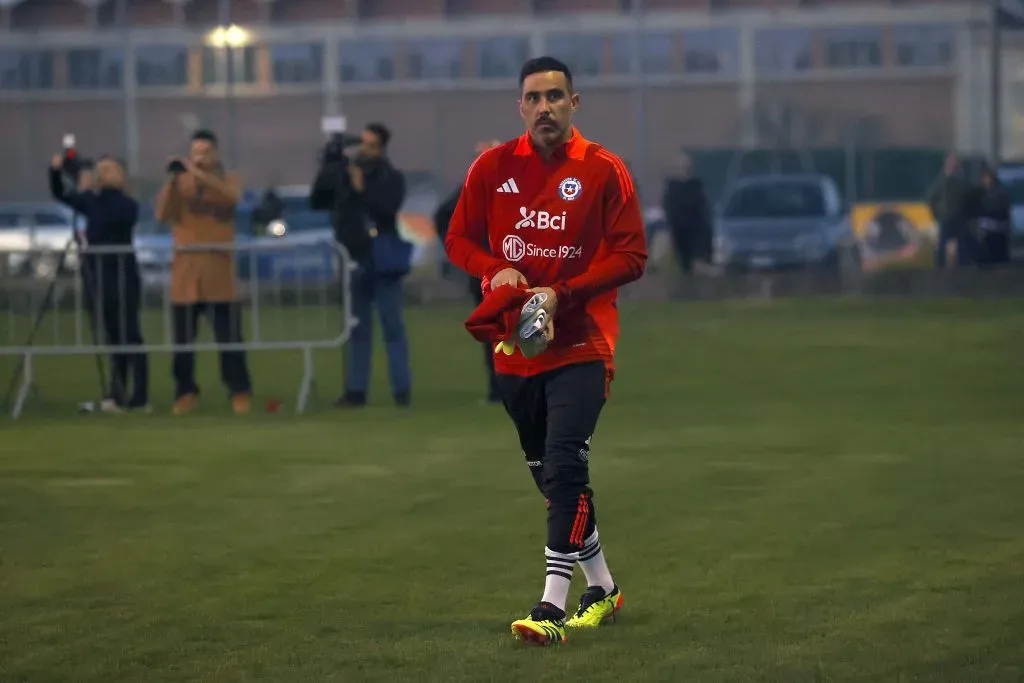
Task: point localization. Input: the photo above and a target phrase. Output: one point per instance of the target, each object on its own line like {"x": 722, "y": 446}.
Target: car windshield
{"x": 776, "y": 200}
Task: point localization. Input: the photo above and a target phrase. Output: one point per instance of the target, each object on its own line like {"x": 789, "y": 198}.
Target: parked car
{"x": 33, "y": 235}
{"x": 298, "y": 225}
{"x": 153, "y": 249}
{"x": 1012, "y": 178}
{"x": 771, "y": 222}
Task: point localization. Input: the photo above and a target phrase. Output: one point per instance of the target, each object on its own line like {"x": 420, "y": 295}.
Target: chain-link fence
{"x": 864, "y": 79}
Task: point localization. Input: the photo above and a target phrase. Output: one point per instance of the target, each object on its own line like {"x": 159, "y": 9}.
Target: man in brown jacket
{"x": 199, "y": 201}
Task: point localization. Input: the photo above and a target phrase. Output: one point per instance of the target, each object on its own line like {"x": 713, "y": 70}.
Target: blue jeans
{"x": 367, "y": 288}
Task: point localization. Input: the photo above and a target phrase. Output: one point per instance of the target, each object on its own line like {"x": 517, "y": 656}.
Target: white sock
{"x": 559, "y": 575}
{"x": 594, "y": 566}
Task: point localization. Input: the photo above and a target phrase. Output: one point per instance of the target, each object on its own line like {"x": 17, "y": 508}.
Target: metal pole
{"x": 640, "y": 109}
{"x": 224, "y": 12}
{"x": 129, "y": 92}
{"x": 996, "y": 105}
{"x": 232, "y": 116}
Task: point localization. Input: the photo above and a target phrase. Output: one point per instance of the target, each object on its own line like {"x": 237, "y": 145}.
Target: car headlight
{"x": 277, "y": 228}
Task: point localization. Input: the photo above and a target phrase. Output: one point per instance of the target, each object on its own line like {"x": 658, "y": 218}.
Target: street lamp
{"x": 227, "y": 38}
{"x": 232, "y": 36}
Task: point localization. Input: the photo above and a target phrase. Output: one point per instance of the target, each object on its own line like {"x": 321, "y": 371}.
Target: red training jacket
{"x": 572, "y": 223}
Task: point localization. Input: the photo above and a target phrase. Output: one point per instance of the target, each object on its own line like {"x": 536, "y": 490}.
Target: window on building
{"x": 216, "y": 64}
{"x": 433, "y": 59}
{"x": 583, "y": 53}
{"x": 297, "y": 62}
{"x": 161, "y": 65}
{"x": 93, "y": 67}
{"x": 925, "y": 46}
{"x": 711, "y": 50}
{"x": 367, "y": 61}
{"x": 622, "y": 46}
{"x": 26, "y": 69}
{"x": 854, "y": 47}
{"x": 502, "y": 57}
{"x": 656, "y": 54}
{"x": 783, "y": 49}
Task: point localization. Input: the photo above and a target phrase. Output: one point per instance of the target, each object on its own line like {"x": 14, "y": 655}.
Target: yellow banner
{"x": 898, "y": 234}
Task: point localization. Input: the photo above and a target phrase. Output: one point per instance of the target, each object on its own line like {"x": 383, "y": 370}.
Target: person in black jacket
{"x": 993, "y": 219}
{"x": 113, "y": 287}
{"x": 442, "y": 218}
{"x": 364, "y": 197}
{"x": 688, "y": 216}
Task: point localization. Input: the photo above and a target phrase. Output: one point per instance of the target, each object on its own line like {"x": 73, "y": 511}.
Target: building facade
{"x": 134, "y": 77}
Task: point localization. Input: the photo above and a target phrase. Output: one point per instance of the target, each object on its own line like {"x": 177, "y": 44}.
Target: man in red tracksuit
{"x": 559, "y": 214}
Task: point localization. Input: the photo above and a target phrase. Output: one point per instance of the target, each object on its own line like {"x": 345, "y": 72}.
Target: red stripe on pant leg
{"x": 580, "y": 524}
{"x": 576, "y": 521}
{"x": 581, "y": 537}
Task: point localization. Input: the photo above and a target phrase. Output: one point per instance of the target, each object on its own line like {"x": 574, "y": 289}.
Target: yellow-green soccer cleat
{"x": 542, "y": 627}
{"x": 596, "y": 608}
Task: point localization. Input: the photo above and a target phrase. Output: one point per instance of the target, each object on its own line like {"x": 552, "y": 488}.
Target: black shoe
{"x": 403, "y": 400}
{"x": 351, "y": 399}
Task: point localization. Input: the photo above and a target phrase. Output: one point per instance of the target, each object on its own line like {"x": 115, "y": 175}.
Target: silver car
{"x": 780, "y": 222}
{"x": 34, "y": 234}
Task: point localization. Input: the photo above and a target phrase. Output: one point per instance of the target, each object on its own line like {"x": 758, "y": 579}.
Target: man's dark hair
{"x": 205, "y": 134}
{"x": 539, "y": 65}
{"x": 381, "y": 131}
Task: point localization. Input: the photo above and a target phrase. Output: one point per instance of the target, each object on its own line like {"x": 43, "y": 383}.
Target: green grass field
{"x": 800, "y": 491}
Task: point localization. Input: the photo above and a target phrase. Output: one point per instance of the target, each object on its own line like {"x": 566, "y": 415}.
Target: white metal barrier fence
{"x": 284, "y": 294}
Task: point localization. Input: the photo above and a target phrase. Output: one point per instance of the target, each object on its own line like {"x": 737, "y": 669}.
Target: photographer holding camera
{"x": 112, "y": 284}
{"x": 199, "y": 200}
{"x": 364, "y": 195}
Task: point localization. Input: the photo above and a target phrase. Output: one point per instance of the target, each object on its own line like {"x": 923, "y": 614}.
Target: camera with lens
{"x": 72, "y": 165}
{"x": 175, "y": 167}
{"x": 334, "y": 151}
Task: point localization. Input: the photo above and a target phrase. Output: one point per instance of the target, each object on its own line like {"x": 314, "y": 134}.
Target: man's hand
{"x": 550, "y": 306}
{"x": 508, "y": 276}
{"x": 57, "y": 162}
{"x": 357, "y": 177}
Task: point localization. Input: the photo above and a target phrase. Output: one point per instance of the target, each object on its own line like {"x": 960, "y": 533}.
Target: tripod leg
{"x": 307, "y": 380}
{"x": 94, "y": 305}
{"x": 26, "y": 386}
{"x": 38, "y": 323}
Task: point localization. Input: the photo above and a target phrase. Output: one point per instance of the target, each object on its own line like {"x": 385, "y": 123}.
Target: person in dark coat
{"x": 688, "y": 216}
{"x": 113, "y": 286}
{"x": 993, "y": 220}
{"x": 952, "y": 204}
{"x": 442, "y": 217}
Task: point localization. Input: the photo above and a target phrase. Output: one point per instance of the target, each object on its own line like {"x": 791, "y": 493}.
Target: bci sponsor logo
{"x": 541, "y": 220}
